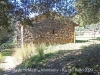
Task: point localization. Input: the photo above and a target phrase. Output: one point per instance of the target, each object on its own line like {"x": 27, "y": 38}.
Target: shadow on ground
{"x": 81, "y": 41}
{"x": 85, "y": 60}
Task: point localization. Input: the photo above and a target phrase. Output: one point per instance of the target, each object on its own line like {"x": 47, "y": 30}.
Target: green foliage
{"x": 34, "y": 61}
{"x": 5, "y": 8}
{"x": 0, "y": 57}
{"x": 8, "y": 45}
{"x": 98, "y": 38}
{"x": 40, "y": 49}
{"x": 28, "y": 51}
{"x": 7, "y": 53}
{"x": 81, "y": 41}
{"x": 92, "y": 47}
{"x": 87, "y": 11}
{"x": 27, "y": 22}
{"x": 1, "y": 71}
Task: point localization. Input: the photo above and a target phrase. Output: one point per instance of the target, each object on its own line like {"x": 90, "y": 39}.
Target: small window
{"x": 53, "y": 31}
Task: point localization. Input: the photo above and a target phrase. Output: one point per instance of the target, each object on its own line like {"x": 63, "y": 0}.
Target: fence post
{"x": 94, "y": 35}
{"x": 22, "y": 43}
{"x": 74, "y": 37}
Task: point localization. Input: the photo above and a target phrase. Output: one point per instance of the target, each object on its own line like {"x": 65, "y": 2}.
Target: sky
{"x": 69, "y": 6}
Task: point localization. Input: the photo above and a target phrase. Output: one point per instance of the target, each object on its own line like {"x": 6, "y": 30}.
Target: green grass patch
{"x": 1, "y": 71}
{"x": 92, "y": 47}
{"x": 40, "y": 50}
{"x": 81, "y": 41}
{"x": 36, "y": 61}
{"x": 2, "y": 57}
{"x": 98, "y": 39}
{"x": 7, "y": 45}
{"x": 7, "y": 53}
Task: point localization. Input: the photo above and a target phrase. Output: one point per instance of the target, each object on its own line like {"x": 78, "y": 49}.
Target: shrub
{"x": 40, "y": 50}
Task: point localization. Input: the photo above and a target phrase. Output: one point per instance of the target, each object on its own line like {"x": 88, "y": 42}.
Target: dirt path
{"x": 8, "y": 66}
{"x": 8, "y": 63}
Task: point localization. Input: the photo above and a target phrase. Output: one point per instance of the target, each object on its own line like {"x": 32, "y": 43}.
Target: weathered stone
{"x": 45, "y": 29}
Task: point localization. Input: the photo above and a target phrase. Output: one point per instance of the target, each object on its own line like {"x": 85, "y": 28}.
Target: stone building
{"x": 50, "y": 28}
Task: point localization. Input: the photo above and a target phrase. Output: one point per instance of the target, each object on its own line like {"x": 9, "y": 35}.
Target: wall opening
{"x": 53, "y": 31}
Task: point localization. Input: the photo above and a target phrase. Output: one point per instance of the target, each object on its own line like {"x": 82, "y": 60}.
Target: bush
{"x": 40, "y": 49}
{"x": 33, "y": 62}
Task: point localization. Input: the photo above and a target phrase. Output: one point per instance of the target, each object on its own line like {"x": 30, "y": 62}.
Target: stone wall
{"x": 49, "y": 31}
{"x": 49, "y": 27}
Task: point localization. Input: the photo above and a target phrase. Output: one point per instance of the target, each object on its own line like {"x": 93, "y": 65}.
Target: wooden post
{"x": 94, "y": 35}
{"x": 74, "y": 37}
{"x": 22, "y": 43}
{"x": 74, "y": 34}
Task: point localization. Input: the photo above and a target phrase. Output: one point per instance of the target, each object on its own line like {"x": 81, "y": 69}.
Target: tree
{"x": 22, "y": 8}
{"x": 87, "y": 11}
{"x": 64, "y": 7}
{"x": 5, "y": 9}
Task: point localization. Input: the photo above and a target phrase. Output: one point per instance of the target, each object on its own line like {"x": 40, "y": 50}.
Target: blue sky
{"x": 69, "y": 5}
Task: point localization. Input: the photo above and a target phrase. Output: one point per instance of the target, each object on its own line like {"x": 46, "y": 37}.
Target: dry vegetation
{"x": 28, "y": 51}
{"x": 66, "y": 56}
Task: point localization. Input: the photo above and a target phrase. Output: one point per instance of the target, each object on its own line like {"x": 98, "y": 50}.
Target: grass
{"x": 1, "y": 71}
{"x": 36, "y": 61}
{"x": 40, "y": 50}
{"x": 7, "y": 45}
{"x": 36, "y": 56}
{"x": 98, "y": 38}
{"x": 43, "y": 54}
{"x": 92, "y": 47}
{"x": 7, "y": 53}
{"x": 31, "y": 50}
{"x": 81, "y": 41}
{"x": 2, "y": 57}
{"x": 39, "y": 56}
{"x": 4, "y": 53}
{"x": 88, "y": 49}
{"x": 28, "y": 51}
{"x": 33, "y": 62}
{"x": 6, "y": 50}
